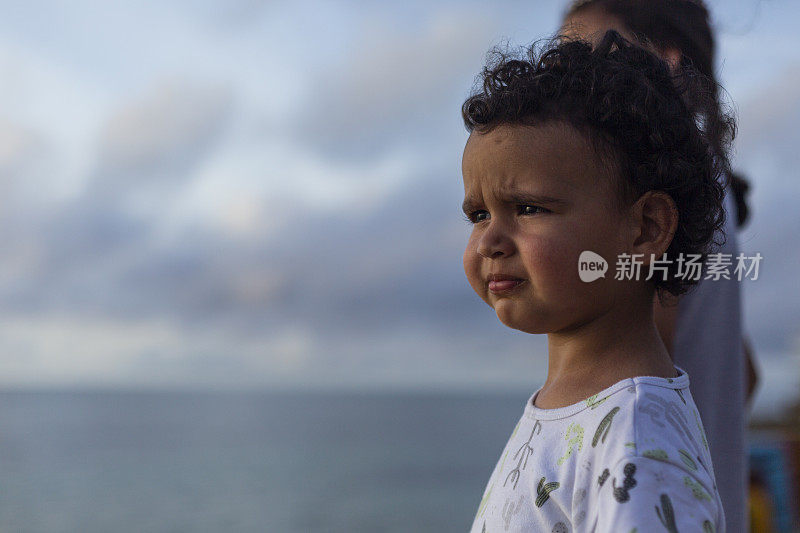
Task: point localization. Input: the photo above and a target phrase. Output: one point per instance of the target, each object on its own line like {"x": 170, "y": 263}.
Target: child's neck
{"x": 619, "y": 344}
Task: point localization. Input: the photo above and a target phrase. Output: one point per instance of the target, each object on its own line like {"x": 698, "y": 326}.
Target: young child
{"x": 576, "y": 153}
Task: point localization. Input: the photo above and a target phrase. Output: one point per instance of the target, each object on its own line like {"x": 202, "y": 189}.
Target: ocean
{"x": 239, "y": 462}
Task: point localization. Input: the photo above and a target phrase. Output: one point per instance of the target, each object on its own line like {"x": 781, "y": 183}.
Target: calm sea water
{"x": 277, "y": 462}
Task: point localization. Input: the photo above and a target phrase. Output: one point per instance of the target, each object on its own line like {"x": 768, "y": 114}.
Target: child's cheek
{"x": 472, "y": 268}
{"x": 551, "y": 263}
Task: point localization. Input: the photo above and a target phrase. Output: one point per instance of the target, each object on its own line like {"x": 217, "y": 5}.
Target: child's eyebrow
{"x": 515, "y": 197}
{"x": 468, "y": 206}
{"x": 522, "y": 197}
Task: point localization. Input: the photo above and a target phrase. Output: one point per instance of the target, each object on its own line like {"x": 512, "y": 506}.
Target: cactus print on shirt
{"x": 633, "y": 457}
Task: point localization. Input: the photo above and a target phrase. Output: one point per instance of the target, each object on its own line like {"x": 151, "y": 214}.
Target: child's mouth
{"x": 500, "y": 286}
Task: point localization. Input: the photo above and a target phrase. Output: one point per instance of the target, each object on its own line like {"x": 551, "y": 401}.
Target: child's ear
{"x": 655, "y": 219}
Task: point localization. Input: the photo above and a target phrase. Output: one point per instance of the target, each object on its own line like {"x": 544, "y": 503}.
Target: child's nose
{"x": 495, "y": 242}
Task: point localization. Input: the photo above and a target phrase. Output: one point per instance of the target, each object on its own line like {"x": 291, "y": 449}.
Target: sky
{"x": 246, "y": 194}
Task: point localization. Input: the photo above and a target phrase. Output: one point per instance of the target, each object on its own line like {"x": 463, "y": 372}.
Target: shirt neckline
{"x": 681, "y": 381}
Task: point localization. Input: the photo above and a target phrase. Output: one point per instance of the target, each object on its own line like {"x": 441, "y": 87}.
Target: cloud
{"x": 767, "y": 154}
{"x": 208, "y": 239}
{"x": 26, "y": 160}
{"x": 79, "y": 250}
{"x": 17, "y": 147}
{"x": 72, "y": 350}
{"x": 767, "y": 122}
{"x": 161, "y": 136}
{"x": 396, "y": 88}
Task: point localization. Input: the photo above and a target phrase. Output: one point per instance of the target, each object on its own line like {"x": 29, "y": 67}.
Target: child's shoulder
{"x": 649, "y": 417}
{"x": 668, "y": 426}
{"x": 665, "y": 463}
{"x": 647, "y": 440}
{"x": 652, "y": 418}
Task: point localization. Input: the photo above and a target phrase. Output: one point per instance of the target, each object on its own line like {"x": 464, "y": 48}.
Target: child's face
{"x": 538, "y": 197}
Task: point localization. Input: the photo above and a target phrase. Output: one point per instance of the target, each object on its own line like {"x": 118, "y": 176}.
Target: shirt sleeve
{"x": 641, "y": 494}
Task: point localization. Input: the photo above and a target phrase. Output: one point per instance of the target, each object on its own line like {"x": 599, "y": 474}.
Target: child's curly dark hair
{"x": 629, "y": 104}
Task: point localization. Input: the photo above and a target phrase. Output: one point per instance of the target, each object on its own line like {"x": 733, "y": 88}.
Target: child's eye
{"x": 531, "y": 209}
{"x": 477, "y": 216}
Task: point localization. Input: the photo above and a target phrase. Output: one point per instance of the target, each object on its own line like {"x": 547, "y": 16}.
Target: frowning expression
{"x": 537, "y": 196}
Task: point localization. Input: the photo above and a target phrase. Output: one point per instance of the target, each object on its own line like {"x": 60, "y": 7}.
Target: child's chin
{"x": 525, "y": 326}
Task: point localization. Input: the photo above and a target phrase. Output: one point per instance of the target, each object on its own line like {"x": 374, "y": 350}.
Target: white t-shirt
{"x": 633, "y": 457}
